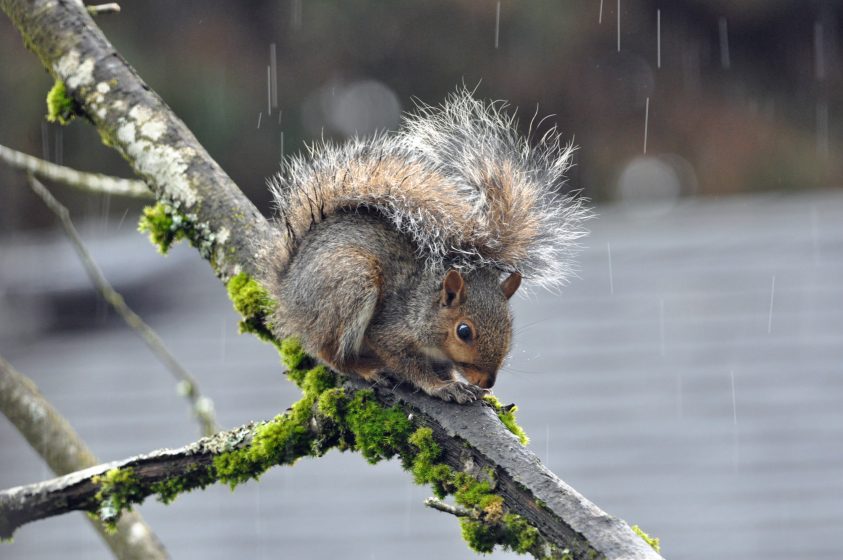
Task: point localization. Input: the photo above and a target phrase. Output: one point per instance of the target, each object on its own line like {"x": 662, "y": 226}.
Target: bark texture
{"x": 135, "y": 121}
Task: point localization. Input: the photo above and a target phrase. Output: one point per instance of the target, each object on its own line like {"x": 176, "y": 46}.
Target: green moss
{"x": 507, "y": 416}
{"x": 61, "y": 107}
{"x": 329, "y": 416}
{"x": 292, "y": 354}
{"x": 519, "y": 535}
{"x": 195, "y": 476}
{"x": 491, "y": 525}
{"x": 425, "y": 466}
{"x": 119, "y": 489}
{"x": 652, "y": 541}
{"x": 105, "y": 138}
{"x": 479, "y": 536}
{"x": 379, "y": 432}
{"x": 332, "y": 404}
{"x": 255, "y": 305}
{"x": 249, "y": 297}
{"x": 164, "y": 225}
{"x": 282, "y": 440}
{"x": 513, "y": 533}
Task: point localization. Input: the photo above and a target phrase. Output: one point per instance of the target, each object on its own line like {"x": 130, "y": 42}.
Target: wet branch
{"x": 55, "y": 440}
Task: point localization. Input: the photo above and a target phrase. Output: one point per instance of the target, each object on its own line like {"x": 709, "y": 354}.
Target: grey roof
{"x": 682, "y": 392}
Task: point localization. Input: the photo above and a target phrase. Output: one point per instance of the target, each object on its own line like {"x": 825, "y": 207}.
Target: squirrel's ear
{"x": 510, "y": 285}
{"x": 453, "y": 289}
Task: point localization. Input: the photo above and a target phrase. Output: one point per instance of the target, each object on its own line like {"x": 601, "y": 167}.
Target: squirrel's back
{"x": 456, "y": 180}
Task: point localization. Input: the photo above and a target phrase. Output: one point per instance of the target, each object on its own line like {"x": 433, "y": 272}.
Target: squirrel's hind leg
{"x": 330, "y": 303}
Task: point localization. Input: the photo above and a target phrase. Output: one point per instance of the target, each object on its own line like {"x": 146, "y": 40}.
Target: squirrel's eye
{"x": 464, "y": 332}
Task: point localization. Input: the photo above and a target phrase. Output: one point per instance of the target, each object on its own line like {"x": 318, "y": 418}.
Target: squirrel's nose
{"x": 482, "y": 378}
{"x": 488, "y": 381}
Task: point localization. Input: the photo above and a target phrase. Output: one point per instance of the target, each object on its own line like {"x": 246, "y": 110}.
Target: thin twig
{"x": 110, "y": 8}
{"x": 457, "y": 511}
{"x": 203, "y": 407}
{"x": 55, "y": 440}
{"x": 90, "y": 182}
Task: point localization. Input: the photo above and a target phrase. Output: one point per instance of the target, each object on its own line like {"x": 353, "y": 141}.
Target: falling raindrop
{"x": 269, "y": 90}
{"x": 260, "y": 114}
{"x": 725, "y": 61}
{"x": 646, "y": 122}
{"x": 600, "y": 15}
{"x": 273, "y": 64}
{"x": 658, "y": 38}
{"x": 122, "y": 219}
{"x": 295, "y": 21}
{"x": 498, "y": 25}
{"x": 619, "y": 25}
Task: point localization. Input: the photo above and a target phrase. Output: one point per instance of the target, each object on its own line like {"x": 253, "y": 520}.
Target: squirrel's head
{"x": 474, "y": 311}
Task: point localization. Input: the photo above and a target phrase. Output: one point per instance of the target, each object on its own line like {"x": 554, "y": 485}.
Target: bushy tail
{"x": 458, "y": 180}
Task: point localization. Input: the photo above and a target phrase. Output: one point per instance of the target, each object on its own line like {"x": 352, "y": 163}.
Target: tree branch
{"x": 231, "y": 233}
{"x": 89, "y": 182}
{"x": 134, "y": 120}
{"x": 201, "y": 406}
{"x": 53, "y": 438}
{"x": 78, "y": 491}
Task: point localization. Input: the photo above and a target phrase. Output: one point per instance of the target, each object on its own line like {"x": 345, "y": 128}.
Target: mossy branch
{"x": 64, "y": 451}
{"x": 491, "y": 478}
{"x": 468, "y": 451}
{"x": 94, "y": 83}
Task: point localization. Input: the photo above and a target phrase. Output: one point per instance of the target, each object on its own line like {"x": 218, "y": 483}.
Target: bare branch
{"x": 110, "y": 8}
{"x": 456, "y": 511}
{"x": 202, "y": 407}
{"x": 52, "y": 436}
{"x": 89, "y": 182}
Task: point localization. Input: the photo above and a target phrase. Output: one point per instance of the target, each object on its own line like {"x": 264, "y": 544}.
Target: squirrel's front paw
{"x": 459, "y": 391}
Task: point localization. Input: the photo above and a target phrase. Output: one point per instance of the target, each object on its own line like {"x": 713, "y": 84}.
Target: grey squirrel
{"x": 400, "y": 252}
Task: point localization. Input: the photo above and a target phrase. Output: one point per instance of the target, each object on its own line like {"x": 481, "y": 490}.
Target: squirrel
{"x": 399, "y": 253}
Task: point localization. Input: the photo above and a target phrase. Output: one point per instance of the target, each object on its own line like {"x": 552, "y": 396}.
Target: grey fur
{"x": 474, "y": 194}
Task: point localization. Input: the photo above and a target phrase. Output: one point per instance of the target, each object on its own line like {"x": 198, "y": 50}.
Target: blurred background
{"x": 689, "y": 381}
